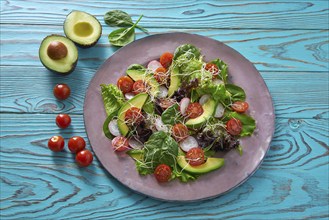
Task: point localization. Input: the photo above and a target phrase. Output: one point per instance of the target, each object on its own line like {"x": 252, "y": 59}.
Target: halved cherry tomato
{"x": 56, "y": 143}
{"x": 160, "y": 75}
{"x": 84, "y": 158}
{"x": 166, "y": 103}
{"x": 166, "y": 59}
{"x": 194, "y": 110}
{"x": 63, "y": 120}
{"x": 180, "y": 132}
{"x": 139, "y": 87}
{"x": 195, "y": 156}
{"x": 76, "y": 144}
{"x": 125, "y": 84}
{"x": 162, "y": 173}
{"x": 240, "y": 106}
{"x": 62, "y": 91}
{"x": 120, "y": 144}
{"x": 234, "y": 126}
{"x": 134, "y": 116}
{"x": 213, "y": 68}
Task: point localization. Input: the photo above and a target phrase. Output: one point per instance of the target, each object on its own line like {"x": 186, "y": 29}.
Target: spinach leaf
{"x": 113, "y": 98}
{"x": 189, "y": 50}
{"x": 160, "y": 148}
{"x": 118, "y": 18}
{"x": 237, "y": 93}
{"x": 171, "y": 115}
{"x": 123, "y": 36}
{"x": 248, "y": 123}
{"x": 223, "y": 74}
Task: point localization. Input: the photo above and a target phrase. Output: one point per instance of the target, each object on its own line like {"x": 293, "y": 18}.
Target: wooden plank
{"x": 35, "y": 183}
{"x": 293, "y": 94}
{"x": 269, "y": 50}
{"x": 179, "y": 14}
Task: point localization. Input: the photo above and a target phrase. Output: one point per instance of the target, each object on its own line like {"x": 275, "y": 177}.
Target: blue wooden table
{"x": 286, "y": 40}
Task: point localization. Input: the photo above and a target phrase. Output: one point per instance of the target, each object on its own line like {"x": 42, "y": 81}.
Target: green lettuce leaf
{"x": 248, "y": 123}
{"x": 113, "y": 98}
{"x": 222, "y": 66}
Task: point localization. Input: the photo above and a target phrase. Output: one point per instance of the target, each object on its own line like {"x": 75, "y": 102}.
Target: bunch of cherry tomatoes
{"x": 76, "y": 144}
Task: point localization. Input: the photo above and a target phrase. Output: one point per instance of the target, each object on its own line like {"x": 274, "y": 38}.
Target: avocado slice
{"x": 58, "y": 54}
{"x": 175, "y": 81}
{"x": 135, "y": 154}
{"x": 211, "y": 164}
{"x": 143, "y": 75}
{"x": 138, "y": 101}
{"x": 208, "y": 110}
{"x": 82, "y": 28}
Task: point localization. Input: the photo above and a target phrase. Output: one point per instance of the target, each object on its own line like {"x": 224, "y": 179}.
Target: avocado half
{"x": 82, "y": 28}
{"x": 58, "y": 54}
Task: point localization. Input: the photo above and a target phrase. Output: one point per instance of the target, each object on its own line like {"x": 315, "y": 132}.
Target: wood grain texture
{"x": 284, "y": 88}
{"x": 36, "y": 183}
{"x": 269, "y": 50}
{"x": 178, "y": 14}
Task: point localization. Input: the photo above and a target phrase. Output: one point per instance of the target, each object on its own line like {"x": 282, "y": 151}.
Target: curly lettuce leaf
{"x": 113, "y": 98}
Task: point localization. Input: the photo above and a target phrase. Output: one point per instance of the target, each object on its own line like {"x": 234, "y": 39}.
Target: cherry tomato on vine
{"x": 166, "y": 59}
{"x": 62, "y": 91}
{"x": 180, "y": 132}
{"x": 56, "y": 143}
{"x": 240, "y": 106}
{"x": 162, "y": 173}
{"x": 63, "y": 120}
{"x": 84, "y": 158}
{"x": 125, "y": 84}
{"x": 76, "y": 144}
{"x": 195, "y": 156}
{"x": 234, "y": 126}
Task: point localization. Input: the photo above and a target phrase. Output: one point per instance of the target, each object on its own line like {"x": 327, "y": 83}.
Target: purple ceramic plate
{"x": 237, "y": 168}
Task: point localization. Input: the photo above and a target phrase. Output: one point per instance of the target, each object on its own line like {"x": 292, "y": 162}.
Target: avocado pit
{"x": 57, "y": 50}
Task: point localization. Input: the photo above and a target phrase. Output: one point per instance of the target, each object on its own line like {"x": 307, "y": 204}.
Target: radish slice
{"x": 153, "y": 65}
{"x": 135, "y": 144}
{"x": 219, "y": 112}
{"x": 183, "y": 105}
{"x": 129, "y": 95}
{"x": 113, "y": 127}
{"x": 189, "y": 143}
{"x": 217, "y": 82}
{"x": 163, "y": 92}
{"x": 160, "y": 126}
{"x": 204, "y": 99}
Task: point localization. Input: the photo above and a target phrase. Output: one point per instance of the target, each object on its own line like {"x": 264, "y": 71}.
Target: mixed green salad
{"x": 172, "y": 115}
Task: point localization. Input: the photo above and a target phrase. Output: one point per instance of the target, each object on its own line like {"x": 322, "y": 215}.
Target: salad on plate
{"x": 173, "y": 114}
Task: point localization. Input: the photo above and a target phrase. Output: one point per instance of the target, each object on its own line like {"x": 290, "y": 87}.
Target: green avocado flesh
{"x": 82, "y": 28}
{"x": 208, "y": 110}
{"x": 175, "y": 81}
{"x": 63, "y": 65}
{"x": 141, "y": 75}
{"x": 211, "y": 164}
{"x": 138, "y": 101}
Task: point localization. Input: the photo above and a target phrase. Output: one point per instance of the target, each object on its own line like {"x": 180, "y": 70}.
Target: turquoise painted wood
{"x": 286, "y": 40}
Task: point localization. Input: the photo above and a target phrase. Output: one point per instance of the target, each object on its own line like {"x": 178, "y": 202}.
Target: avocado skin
{"x": 84, "y": 46}
{"x": 73, "y": 66}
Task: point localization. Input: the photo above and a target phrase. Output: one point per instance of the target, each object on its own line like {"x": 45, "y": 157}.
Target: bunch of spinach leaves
{"x": 125, "y": 34}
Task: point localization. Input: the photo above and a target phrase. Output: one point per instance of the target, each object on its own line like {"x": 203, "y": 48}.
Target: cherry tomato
{"x": 120, "y": 144}
{"x": 240, "y": 106}
{"x": 166, "y": 103}
{"x": 162, "y": 173}
{"x": 125, "y": 84}
{"x": 195, "y": 156}
{"x": 234, "y": 126}
{"x": 63, "y": 120}
{"x": 62, "y": 91}
{"x": 139, "y": 87}
{"x": 56, "y": 143}
{"x": 166, "y": 59}
{"x": 160, "y": 75}
{"x": 134, "y": 116}
{"x": 194, "y": 110}
{"x": 213, "y": 68}
{"x": 84, "y": 158}
{"x": 76, "y": 144}
{"x": 180, "y": 132}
